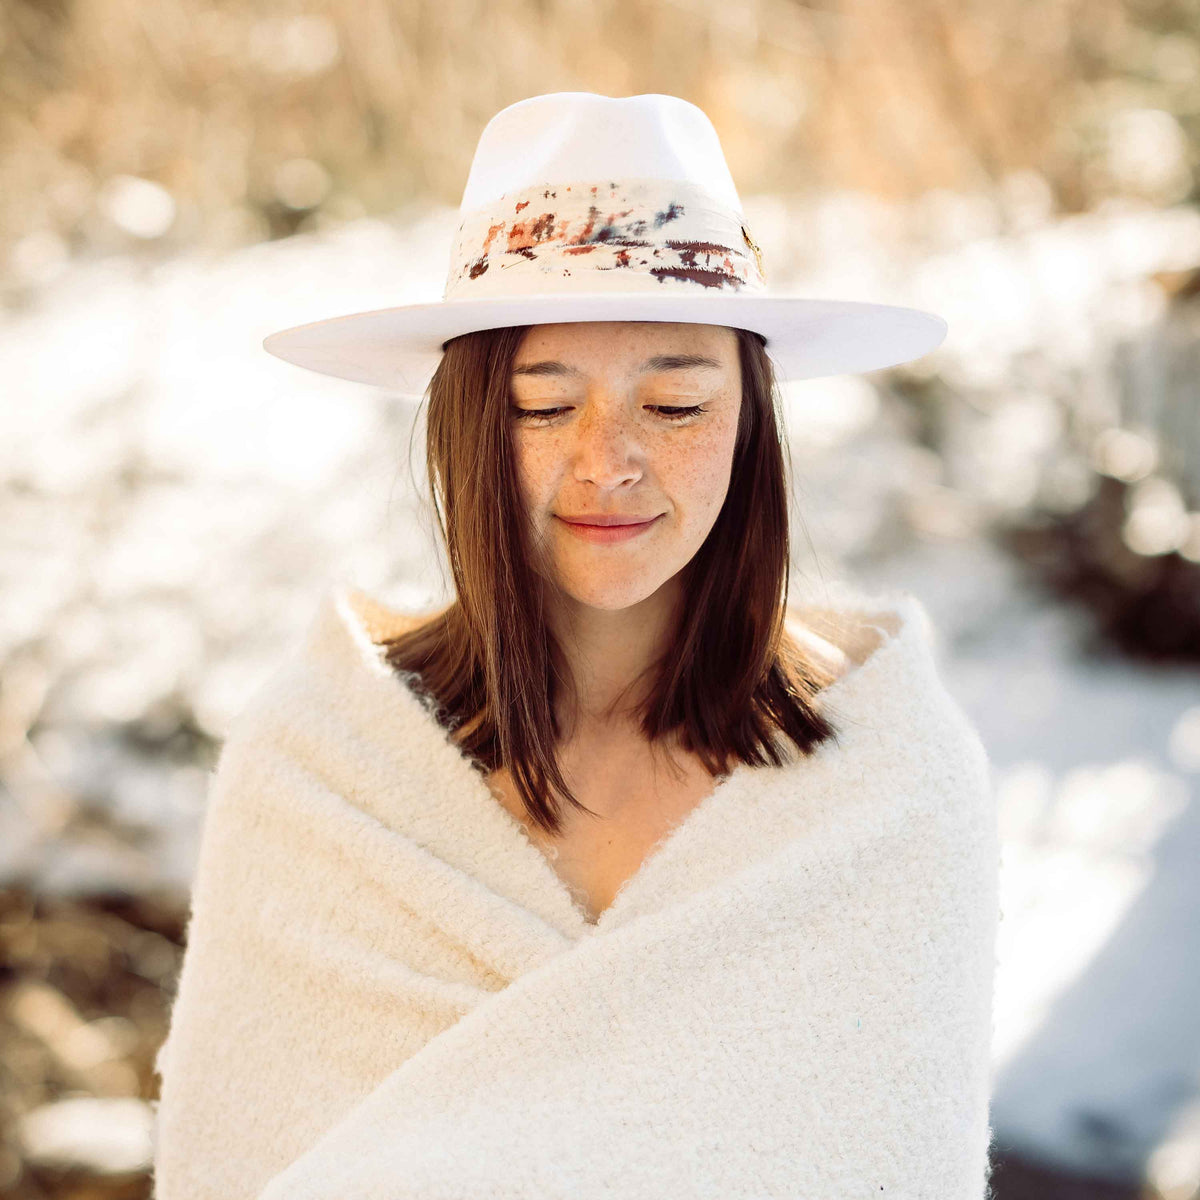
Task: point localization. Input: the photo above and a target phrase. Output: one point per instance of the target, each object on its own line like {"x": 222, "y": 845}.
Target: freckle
{"x": 523, "y": 204}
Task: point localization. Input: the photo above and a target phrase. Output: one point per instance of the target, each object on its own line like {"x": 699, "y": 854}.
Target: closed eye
{"x": 545, "y": 415}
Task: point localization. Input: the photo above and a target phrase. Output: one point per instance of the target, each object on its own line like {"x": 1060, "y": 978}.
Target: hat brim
{"x": 400, "y": 348}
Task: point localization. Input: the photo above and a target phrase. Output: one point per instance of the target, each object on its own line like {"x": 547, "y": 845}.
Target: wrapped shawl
{"x": 388, "y": 992}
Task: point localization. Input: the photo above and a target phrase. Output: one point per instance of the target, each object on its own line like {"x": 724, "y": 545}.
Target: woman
{"x": 616, "y": 877}
{"x": 637, "y": 422}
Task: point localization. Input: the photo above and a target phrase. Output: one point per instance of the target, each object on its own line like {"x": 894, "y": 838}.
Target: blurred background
{"x": 179, "y": 179}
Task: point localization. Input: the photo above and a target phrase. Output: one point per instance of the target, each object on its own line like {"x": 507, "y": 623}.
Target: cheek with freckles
{"x": 695, "y": 478}
{"x": 536, "y": 472}
{"x": 539, "y": 468}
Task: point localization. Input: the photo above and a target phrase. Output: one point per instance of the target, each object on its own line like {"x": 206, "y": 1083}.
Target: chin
{"x": 614, "y": 596}
{"x": 615, "y": 593}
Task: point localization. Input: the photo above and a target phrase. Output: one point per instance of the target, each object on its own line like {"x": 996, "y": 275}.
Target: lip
{"x": 608, "y": 533}
{"x": 605, "y": 519}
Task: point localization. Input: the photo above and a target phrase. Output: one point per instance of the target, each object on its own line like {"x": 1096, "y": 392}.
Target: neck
{"x": 610, "y": 654}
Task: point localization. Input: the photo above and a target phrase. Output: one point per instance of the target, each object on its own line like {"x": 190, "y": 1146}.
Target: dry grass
{"x": 254, "y": 116}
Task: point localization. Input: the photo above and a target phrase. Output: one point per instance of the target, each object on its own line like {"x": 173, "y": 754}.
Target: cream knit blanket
{"x": 389, "y": 994}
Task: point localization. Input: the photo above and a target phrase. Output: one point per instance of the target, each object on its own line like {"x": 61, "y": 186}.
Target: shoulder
{"x": 827, "y": 657}
{"x": 839, "y": 646}
{"x": 381, "y": 622}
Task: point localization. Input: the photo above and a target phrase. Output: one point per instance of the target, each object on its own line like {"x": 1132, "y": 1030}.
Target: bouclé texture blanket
{"x": 389, "y": 994}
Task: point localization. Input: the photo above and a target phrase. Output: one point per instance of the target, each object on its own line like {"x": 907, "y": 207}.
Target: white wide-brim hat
{"x": 581, "y": 207}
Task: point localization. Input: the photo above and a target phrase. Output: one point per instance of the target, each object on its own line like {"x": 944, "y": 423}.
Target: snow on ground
{"x": 1097, "y": 768}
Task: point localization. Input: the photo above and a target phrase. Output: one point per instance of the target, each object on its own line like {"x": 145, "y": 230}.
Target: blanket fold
{"x": 388, "y": 991}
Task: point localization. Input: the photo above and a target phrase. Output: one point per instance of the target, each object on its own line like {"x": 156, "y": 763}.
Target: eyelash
{"x": 670, "y": 412}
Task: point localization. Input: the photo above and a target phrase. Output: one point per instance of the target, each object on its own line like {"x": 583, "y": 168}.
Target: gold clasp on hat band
{"x": 755, "y": 250}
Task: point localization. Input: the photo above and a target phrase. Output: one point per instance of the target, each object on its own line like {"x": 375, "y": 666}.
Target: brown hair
{"x": 488, "y": 666}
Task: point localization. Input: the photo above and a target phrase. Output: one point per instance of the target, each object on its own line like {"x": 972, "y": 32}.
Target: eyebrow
{"x": 660, "y": 362}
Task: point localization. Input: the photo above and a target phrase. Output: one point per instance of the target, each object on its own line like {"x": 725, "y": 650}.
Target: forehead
{"x": 627, "y": 343}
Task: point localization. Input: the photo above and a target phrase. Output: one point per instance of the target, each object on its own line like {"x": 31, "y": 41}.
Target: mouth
{"x": 618, "y": 531}
{"x": 598, "y": 521}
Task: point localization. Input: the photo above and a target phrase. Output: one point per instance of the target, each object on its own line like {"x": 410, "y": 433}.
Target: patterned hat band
{"x": 636, "y": 235}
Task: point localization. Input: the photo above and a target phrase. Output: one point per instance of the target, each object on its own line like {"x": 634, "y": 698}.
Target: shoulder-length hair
{"x": 730, "y": 678}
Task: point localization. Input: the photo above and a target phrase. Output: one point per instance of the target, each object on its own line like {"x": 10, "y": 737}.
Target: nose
{"x": 606, "y": 450}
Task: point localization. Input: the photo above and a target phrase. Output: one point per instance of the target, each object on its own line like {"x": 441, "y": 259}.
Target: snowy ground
{"x": 1097, "y": 1041}
{"x": 177, "y": 500}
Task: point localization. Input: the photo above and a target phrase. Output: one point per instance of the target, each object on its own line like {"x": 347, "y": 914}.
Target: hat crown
{"x": 574, "y": 193}
{"x": 566, "y": 136}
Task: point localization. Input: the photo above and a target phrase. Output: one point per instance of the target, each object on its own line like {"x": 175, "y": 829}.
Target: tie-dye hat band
{"x": 634, "y": 235}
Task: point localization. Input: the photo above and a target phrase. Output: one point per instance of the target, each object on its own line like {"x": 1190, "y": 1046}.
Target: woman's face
{"x": 594, "y": 432}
